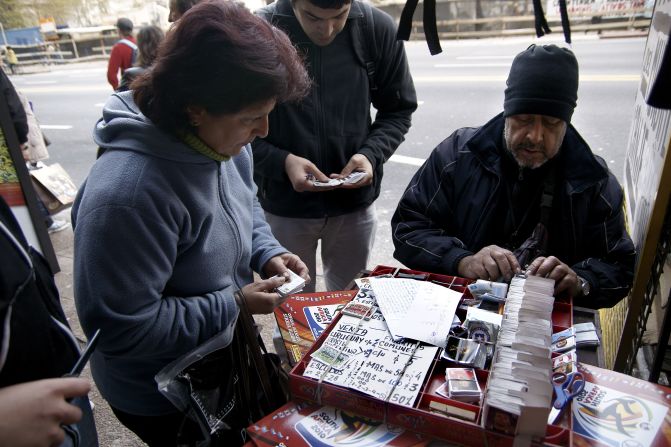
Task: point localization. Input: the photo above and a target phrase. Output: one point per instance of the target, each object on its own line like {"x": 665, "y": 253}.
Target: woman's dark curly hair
{"x": 223, "y": 58}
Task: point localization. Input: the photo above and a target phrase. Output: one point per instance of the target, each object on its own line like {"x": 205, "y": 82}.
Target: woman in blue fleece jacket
{"x": 167, "y": 225}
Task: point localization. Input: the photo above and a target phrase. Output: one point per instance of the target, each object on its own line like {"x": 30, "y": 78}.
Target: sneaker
{"x": 58, "y": 225}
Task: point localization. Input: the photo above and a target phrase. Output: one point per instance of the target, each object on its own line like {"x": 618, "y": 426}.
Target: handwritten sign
{"x": 375, "y": 364}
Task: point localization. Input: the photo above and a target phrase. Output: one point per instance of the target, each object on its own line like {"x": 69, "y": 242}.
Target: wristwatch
{"x": 584, "y": 286}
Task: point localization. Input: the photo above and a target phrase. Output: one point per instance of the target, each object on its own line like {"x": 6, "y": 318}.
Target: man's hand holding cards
{"x": 351, "y": 179}
{"x": 293, "y": 284}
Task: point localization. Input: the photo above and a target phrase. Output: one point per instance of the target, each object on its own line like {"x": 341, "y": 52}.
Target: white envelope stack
{"x": 518, "y": 396}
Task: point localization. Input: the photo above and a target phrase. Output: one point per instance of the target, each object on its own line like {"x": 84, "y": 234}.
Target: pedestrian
{"x": 38, "y": 406}
{"x": 12, "y": 60}
{"x": 123, "y": 52}
{"x": 354, "y": 60}
{"x": 522, "y": 193}
{"x": 34, "y": 151}
{"x": 167, "y": 224}
{"x": 148, "y": 40}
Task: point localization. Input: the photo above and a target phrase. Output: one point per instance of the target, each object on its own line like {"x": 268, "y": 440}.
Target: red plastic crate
{"x": 419, "y": 418}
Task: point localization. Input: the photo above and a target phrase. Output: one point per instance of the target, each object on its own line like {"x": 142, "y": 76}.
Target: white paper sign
{"x": 376, "y": 364}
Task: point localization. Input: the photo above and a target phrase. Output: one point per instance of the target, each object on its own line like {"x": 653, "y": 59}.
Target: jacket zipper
{"x": 231, "y": 221}
{"x": 321, "y": 143}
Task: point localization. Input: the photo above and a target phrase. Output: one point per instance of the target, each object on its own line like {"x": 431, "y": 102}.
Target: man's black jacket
{"x": 448, "y": 211}
{"x": 334, "y": 121}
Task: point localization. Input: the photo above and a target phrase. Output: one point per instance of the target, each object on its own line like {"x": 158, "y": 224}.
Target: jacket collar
{"x": 581, "y": 169}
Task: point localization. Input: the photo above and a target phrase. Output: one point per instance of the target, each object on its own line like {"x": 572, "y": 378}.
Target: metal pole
{"x": 4, "y": 38}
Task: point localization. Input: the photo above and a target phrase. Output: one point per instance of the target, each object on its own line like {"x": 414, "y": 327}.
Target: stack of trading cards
{"x": 294, "y": 285}
{"x": 519, "y": 390}
{"x": 578, "y": 335}
{"x": 460, "y": 384}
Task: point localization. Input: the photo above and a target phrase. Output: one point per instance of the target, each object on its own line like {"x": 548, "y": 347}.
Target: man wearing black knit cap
{"x": 521, "y": 193}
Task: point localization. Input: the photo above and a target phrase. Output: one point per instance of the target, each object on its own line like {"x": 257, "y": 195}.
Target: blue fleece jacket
{"x": 163, "y": 237}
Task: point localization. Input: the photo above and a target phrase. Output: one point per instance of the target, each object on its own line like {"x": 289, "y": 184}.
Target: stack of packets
{"x": 460, "y": 384}
{"x": 578, "y": 335}
{"x": 475, "y": 346}
{"x": 518, "y": 396}
{"x": 488, "y": 295}
{"x": 489, "y": 290}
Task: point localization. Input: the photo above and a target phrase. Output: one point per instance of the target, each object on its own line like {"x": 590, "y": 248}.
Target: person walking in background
{"x": 12, "y": 60}
{"x": 123, "y": 52}
{"x": 354, "y": 60}
{"x": 178, "y": 170}
{"x": 148, "y": 40}
{"x": 34, "y": 151}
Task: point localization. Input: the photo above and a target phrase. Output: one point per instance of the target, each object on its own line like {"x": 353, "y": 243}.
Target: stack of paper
{"x": 519, "y": 391}
{"x": 415, "y": 309}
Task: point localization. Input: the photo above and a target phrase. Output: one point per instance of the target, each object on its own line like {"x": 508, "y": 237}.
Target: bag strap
{"x": 253, "y": 343}
{"x": 547, "y": 197}
{"x": 363, "y": 41}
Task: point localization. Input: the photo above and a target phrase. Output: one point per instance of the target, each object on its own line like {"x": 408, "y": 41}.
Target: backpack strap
{"x": 363, "y": 40}
{"x": 133, "y": 47}
{"x": 129, "y": 44}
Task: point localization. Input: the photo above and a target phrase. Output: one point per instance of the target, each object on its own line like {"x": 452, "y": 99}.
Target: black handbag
{"x": 228, "y": 388}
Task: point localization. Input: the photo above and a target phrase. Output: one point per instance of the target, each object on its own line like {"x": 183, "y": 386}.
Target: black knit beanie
{"x": 543, "y": 80}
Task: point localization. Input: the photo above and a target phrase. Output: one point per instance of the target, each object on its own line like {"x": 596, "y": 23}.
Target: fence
{"x": 63, "y": 51}
{"x": 505, "y": 18}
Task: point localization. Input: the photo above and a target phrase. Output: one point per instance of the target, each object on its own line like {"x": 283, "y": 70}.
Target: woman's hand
{"x": 261, "y": 297}
{"x": 279, "y": 265}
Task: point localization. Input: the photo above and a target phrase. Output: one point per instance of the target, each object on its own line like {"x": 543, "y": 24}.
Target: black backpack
{"x": 35, "y": 339}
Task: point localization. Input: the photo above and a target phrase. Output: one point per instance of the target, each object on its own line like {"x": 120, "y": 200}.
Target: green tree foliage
{"x": 26, "y": 13}
{"x": 12, "y": 14}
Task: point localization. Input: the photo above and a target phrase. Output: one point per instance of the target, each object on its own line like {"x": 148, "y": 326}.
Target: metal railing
{"x": 625, "y": 20}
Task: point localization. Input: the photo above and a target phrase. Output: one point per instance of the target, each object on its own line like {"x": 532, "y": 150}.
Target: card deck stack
{"x": 578, "y": 335}
{"x": 294, "y": 285}
{"x": 460, "y": 384}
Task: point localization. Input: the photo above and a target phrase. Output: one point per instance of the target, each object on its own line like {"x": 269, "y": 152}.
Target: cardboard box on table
{"x": 419, "y": 418}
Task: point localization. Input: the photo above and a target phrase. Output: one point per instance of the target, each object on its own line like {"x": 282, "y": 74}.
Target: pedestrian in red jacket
{"x": 122, "y": 56}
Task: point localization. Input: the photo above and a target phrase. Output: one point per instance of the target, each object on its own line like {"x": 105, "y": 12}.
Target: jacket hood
{"x": 123, "y": 127}
{"x": 584, "y": 168}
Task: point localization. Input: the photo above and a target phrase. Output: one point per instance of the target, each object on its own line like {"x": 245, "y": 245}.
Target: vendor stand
{"x": 613, "y": 409}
